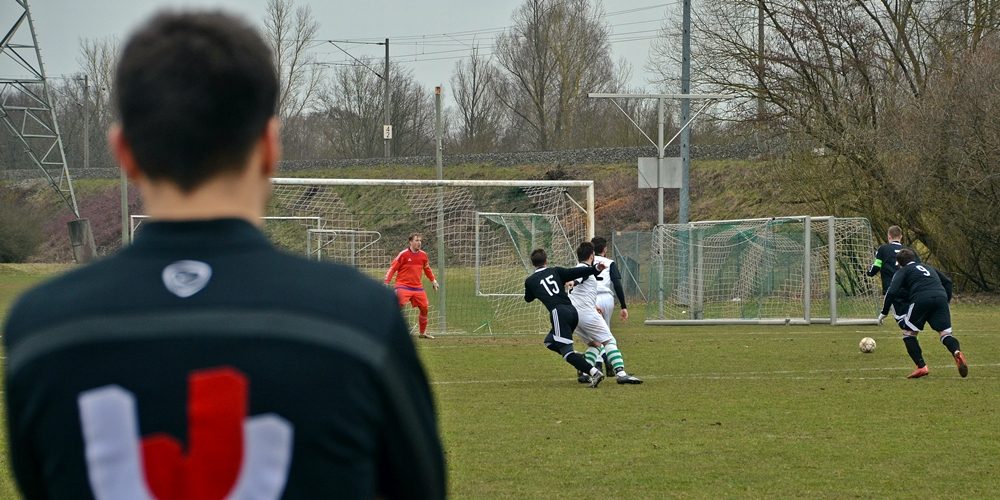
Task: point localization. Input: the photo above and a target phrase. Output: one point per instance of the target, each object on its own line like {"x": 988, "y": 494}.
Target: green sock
{"x": 615, "y": 357}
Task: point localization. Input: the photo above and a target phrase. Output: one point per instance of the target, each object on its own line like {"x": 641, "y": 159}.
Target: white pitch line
{"x": 712, "y": 336}
{"x": 761, "y": 375}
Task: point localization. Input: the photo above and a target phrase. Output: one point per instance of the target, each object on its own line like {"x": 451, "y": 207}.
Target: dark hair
{"x": 538, "y": 257}
{"x": 414, "y": 235}
{"x": 584, "y": 251}
{"x": 599, "y": 244}
{"x": 905, "y": 256}
{"x": 194, "y": 91}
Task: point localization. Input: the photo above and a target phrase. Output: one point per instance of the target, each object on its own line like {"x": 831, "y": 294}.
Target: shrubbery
{"x": 20, "y": 227}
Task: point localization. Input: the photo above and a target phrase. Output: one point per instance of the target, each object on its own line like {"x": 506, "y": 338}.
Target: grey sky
{"x": 416, "y": 28}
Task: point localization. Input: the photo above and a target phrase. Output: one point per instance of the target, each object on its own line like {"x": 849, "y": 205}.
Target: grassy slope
{"x": 720, "y": 190}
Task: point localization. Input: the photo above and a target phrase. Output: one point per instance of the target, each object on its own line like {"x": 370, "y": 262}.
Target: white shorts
{"x": 592, "y": 327}
{"x": 606, "y": 302}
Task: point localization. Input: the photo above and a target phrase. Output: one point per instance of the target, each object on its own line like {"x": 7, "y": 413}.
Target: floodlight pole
{"x": 385, "y": 100}
{"x": 660, "y": 145}
{"x": 438, "y": 131}
{"x": 682, "y": 214}
{"x": 659, "y": 159}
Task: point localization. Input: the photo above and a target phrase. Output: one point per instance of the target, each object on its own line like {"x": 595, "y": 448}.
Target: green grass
{"x": 14, "y": 279}
{"x": 725, "y": 412}
{"x": 733, "y": 411}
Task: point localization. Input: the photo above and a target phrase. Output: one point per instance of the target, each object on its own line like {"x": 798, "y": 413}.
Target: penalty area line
{"x": 759, "y": 375}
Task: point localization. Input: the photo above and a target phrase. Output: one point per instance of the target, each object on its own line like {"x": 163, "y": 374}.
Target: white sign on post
{"x": 670, "y": 174}
{"x": 387, "y": 131}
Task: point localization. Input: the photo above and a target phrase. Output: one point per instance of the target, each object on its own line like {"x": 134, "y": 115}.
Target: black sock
{"x": 913, "y": 349}
{"x": 579, "y": 362}
{"x": 951, "y": 343}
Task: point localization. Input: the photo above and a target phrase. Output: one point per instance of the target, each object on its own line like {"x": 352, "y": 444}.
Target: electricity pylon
{"x": 26, "y": 111}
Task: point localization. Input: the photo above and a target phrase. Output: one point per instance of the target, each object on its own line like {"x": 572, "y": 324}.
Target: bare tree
{"x": 83, "y": 103}
{"x": 555, "y": 52}
{"x": 946, "y": 148}
{"x": 480, "y": 113}
{"x": 353, "y": 105}
{"x": 291, "y": 31}
{"x": 837, "y": 76}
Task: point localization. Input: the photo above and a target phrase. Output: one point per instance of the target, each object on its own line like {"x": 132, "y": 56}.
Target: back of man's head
{"x": 538, "y": 257}
{"x": 895, "y": 233}
{"x": 599, "y": 245}
{"x": 193, "y": 92}
{"x": 905, "y": 256}
{"x": 585, "y": 251}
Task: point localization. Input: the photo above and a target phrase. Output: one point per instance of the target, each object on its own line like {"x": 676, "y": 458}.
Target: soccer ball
{"x": 867, "y": 345}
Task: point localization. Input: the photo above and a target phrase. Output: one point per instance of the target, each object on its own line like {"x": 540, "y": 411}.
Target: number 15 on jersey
{"x": 550, "y": 285}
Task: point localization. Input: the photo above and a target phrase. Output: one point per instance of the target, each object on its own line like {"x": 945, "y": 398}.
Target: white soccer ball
{"x": 867, "y": 345}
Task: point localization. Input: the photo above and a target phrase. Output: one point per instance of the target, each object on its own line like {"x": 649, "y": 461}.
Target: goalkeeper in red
{"x": 407, "y": 267}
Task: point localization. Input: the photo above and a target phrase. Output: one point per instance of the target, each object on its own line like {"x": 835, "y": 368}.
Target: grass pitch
{"x": 726, "y": 411}
{"x": 771, "y": 412}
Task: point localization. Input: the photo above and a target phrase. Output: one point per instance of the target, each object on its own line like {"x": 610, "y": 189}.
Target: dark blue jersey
{"x": 917, "y": 282}
{"x": 203, "y": 344}
{"x": 885, "y": 262}
{"x": 547, "y": 284}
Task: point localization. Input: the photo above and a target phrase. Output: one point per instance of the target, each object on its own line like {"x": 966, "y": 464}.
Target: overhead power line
{"x": 485, "y": 31}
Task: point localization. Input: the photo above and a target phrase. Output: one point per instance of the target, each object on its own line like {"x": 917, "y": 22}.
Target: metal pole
{"x": 692, "y": 300}
{"x": 807, "y": 272}
{"x": 122, "y": 180}
{"x": 831, "y": 235}
{"x": 659, "y": 158}
{"x": 476, "y": 266}
{"x": 86, "y": 121}
{"x": 685, "y": 114}
{"x": 440, "y": 209}
{"x": 591, "y": 203}
{"x": 385, "y": 100}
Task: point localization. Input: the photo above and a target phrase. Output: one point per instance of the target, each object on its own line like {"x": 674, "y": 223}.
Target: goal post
{"x": 781, "y": 270}
{"x": 504, "y": 242}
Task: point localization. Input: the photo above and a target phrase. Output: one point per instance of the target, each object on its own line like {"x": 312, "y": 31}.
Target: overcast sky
{"x": 428, "y": 36}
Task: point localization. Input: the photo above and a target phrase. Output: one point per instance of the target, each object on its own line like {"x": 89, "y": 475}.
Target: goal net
{"x": 478, "y": 235}
{"x": 796, "y": 270}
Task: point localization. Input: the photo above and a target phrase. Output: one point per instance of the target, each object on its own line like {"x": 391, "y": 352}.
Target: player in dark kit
{"x": 202, "y": 362}
{"x": 547, "y": 284}
{"x": 884, "y": 264}
{"x": 928, "y": 292}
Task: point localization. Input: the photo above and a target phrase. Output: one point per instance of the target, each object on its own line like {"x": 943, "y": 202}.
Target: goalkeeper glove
{"x": 435, "y": 283}
{"x": 881, "y": 317}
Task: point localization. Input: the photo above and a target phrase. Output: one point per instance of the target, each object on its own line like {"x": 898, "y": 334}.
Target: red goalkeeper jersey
{"x": 409, "y": 264}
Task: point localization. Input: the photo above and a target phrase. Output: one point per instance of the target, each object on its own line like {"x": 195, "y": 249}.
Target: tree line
{"x": 886, "y": 109}
{"x": 529, "y": 95}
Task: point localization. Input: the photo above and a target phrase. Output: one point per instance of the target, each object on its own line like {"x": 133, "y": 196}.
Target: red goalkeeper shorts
{"x": 418, "y": 298}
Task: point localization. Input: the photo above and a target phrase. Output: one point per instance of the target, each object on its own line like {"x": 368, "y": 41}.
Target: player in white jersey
{"x": 610, "y": 286}
{"x": 592, "y": 328}
{"x": 610, "y": 281}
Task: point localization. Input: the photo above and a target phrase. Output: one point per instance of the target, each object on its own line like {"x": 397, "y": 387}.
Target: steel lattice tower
{"x": 26, "y": 110}
{"x": 26, "y": 105}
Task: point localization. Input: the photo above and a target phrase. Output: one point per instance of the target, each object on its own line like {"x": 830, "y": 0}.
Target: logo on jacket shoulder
{"x": 185, "y": 278}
